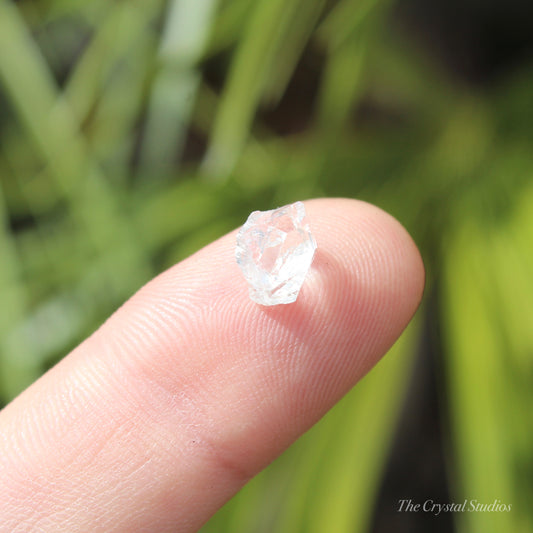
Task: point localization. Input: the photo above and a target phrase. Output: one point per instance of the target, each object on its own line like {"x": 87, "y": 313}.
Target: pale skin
{"x": 190, "y": 388}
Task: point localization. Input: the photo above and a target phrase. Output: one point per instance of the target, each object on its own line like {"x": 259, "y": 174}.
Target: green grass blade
{"x": 345, "y": 19}
{"x": 113, "y": 126}
{"x": 478, "y": 403}
{"x": 16, "y": 371}
{"x": 184, "y": 39}
{"x": 341, "y": 84}
{"x": 304, "y": 17}
{"x": 253, "y": 61}
{"x": 227, "y": 29}
{"x": 115, "y": 35}
{"x": 510, "y": 263}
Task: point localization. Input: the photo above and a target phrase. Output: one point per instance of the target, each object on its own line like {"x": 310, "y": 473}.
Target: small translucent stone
{"x": 275, "y": 250}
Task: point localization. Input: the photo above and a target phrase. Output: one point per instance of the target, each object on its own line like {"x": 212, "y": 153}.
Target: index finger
{"x": 190, "y": 388}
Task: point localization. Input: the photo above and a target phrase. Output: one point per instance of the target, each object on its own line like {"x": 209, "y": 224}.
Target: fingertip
{"x": 364, "y": 286}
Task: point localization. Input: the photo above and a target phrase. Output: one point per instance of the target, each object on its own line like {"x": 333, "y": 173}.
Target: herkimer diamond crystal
{"x": 275, "y": 250}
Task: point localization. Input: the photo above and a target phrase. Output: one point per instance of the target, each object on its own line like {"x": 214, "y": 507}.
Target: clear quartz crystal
{"x": 275, "y": 250}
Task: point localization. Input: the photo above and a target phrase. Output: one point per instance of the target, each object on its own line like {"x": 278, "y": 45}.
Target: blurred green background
{"x": 134, "y": 132}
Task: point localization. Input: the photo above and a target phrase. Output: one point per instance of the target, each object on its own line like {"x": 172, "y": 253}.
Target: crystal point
{"x": 275, "y": 250}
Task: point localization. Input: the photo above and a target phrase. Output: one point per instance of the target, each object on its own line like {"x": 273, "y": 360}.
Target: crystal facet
{"x": 275, "y": 250}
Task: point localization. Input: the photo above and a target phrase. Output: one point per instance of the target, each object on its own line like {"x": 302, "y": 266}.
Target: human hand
{"x": 190, "y": 388}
